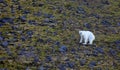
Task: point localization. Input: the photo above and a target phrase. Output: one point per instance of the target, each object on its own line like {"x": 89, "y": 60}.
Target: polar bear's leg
{"x": 91, "y": 38}
{"x": 81, "y": 39}
{"x": 85, "y": 39}
{"x": 91, "y": 41}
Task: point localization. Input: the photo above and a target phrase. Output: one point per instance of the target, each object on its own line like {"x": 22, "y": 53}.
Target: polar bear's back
{"x": 82, "y": 32}
{"x": 87, "y": 33}
{"x": 91, "y": 35}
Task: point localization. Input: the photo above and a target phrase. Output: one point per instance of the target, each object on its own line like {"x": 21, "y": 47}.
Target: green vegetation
{"x": 32, "y": 33}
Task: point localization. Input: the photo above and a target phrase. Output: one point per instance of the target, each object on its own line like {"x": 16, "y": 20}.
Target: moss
{"x": 63, "y": 11}
{"x": 105, "y": 38}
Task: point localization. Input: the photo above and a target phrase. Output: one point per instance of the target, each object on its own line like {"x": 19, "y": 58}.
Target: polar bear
{"x": 86, "y": 36}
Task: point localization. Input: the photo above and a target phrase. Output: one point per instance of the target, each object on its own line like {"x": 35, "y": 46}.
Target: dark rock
{"x": 2, "y": 59}
{"x": 5, "y": 43}
{"x": 40, "y": 40}
{"x": 12, "y": 9}
{"x": 6, "y": 20}
{"x": 73, "y": 50}
{"x": 46, "y": 20}
{"x": 1, "y": 1}
{"x": 57, "y": 43}
{"x": 87, "y": 52}
{"x": 28, "y": 68}
{"x": 92, "y": 64}
{"x": 8, "y": 51}
{"x": 48, "y": 40}
{"x": 32, "y": 22}
{"x": 82, "y": 62}
{"x": 87, "y": 25}
{"x": 118, "y": 24}
{"x": 23, "y": 38}
{"x": 117, "y": 42}
{"x": 1, "y": 24}
{"x": 80, "y": 10}
{"x": 63, "y": 49}
{"x": 70, "y": 64}
{"x": 1, "y": 38}
{"x": 41, "y": 68}
{"x": 118, "y": 47}
{"x": 100, "y": 50}
{"x": 22, "y": 18}
{"x": 36, "y": 59}
{"x": 19, "y": 7}
{"x": 112, "y": 52}
{"x": 62, "y": 67}
{"x": 26, "y": 12}
{"x": 41, "y": 4}
{"x": 26, "y": 53}
{"x": 105, "y": 22}
{"x": 54, "y": 33}
{"x": 38, "y": 14}
{"x": 31, "y": 48}
{"x": 29, "y": 33}
{"x": 49, "y": 20}
{"x": 3, "y": 69}
{"x": 95, "y": 53}
{"x": 105, "y": 2}
{"x": 48, "y": 58}
{"x": 95, "y": 15}
{"x": 48, "y": 16}
{"x": 99, "y": 68}
{"x": 14, "y": 27}
{"x": 85, "y": 0}
{"x": 4, "y": 3}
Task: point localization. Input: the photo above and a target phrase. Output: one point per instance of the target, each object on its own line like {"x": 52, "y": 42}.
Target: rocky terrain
{"x": 43, "y": 34}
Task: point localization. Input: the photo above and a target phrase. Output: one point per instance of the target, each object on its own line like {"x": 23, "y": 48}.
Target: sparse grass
{"x": 65, "y": 13}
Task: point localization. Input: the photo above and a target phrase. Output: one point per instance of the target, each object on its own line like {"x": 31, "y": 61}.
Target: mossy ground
{"x": 59, "y": 21}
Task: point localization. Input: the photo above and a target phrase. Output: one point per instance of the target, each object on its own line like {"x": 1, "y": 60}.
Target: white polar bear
{"x": 86, "y": 36}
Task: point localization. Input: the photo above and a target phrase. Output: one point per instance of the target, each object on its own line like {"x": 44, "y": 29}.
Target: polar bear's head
{"x": 80, "y": 32}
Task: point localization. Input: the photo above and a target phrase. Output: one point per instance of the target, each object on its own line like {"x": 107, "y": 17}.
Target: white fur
{"x": 86, "y": 36}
